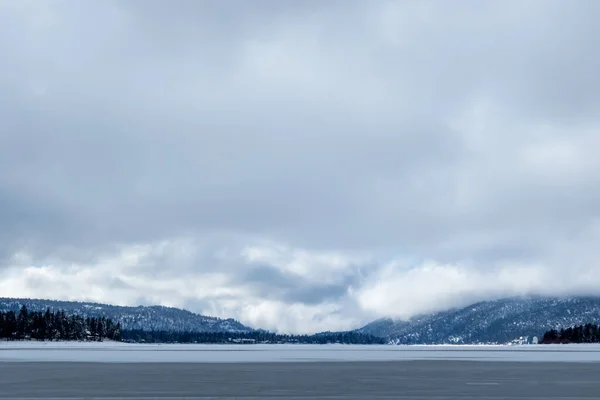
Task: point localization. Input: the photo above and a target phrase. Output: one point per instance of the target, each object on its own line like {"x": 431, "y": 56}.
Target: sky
{"x": 299, "y": 166}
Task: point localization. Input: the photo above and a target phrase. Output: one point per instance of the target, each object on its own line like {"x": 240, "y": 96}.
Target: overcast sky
{"x": 300, "y": 166}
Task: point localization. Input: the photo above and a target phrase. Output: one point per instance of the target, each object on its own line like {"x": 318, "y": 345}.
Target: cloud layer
{"x": 302, "y": 166}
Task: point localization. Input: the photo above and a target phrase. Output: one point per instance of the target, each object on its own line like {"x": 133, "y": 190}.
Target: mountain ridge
{"x": 495, "y": 321}
{"x": 514, "y": 319}
{"x": 145, "y": 318}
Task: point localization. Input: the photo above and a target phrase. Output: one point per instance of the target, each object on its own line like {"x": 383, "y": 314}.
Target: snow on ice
{"x": 201, "y": 353}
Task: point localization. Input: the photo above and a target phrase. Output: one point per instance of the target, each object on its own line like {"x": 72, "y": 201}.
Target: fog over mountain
{"x": 299, "y": 166}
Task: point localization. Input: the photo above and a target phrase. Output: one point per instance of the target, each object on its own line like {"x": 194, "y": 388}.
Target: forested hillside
{"x": 58, "y": 325}
{"x": 498, "y": 321}
{"x": 146, "y": 318}
{"x": 38, "y": 325}
{"x": 588, "y": 333}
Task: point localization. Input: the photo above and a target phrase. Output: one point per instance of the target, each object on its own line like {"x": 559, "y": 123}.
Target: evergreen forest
{"x": 57, "y": 325}
{"x": 588, "y": 333}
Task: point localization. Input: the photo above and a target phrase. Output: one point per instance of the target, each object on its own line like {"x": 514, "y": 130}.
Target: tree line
{"x": 57, "y": 325}
{"x": 588, "y": 333}
{"x": 140, "y": 336}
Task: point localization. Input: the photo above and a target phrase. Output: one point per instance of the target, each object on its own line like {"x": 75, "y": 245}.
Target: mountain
{"x": 499, "y": 321}
{"x": 145, "y": 318}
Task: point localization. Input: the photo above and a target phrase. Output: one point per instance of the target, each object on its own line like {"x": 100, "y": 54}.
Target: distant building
{"x": 520, "y": 341}
{"x": 244, "y": 341}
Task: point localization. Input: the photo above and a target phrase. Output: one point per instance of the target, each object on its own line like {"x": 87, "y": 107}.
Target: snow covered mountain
{"x": 499, "y": 321}
{"x": 145, "y": 318}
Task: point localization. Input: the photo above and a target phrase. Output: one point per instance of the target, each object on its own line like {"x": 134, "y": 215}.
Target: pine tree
{"x": 22, "y": 323}
{"x": 10, "y": 325}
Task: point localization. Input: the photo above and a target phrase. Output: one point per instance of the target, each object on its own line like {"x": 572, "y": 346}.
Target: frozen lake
{"x": 201, "y": 353}
{"x": 423, "y": 380}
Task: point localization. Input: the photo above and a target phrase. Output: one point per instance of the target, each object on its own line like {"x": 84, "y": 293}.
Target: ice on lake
{"x": 207, "y": 353}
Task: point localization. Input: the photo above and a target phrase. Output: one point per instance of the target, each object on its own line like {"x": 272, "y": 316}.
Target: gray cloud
{"x": 271, "y": 283}
{"x": 420, "y": 131}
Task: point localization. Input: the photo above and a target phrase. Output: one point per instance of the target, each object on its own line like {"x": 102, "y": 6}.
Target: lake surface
{"x": 203, "y": 353}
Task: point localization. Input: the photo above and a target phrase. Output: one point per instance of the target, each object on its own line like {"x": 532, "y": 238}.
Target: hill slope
{"x": 145, "y": 318}
{"x": 497, "y": 321}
